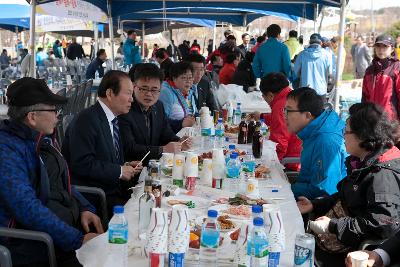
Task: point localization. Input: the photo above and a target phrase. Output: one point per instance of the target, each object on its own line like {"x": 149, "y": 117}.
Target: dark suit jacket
{"x": 89, "y": 150}
{"x": 392, "y": 247}
{"x": 243, "y": 50}
{"x": 135, "y": 137}
{"x": 205, "y": 94}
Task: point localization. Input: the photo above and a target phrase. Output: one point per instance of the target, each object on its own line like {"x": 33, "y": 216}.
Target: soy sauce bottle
{"x": 243, "y": 129}
{"x": 251, "y": 128}
{"x": 258, "y": 141}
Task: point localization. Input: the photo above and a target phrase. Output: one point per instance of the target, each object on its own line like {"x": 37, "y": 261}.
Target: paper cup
{"x": 218, "y": 155}
{"x": 178, "y": 167}
{"x": 157, "y": 232}
{"x": 179, "y": 230}
{"x": 206, "y": 172}
{"x": 273, "y": 224}
{"x": 359, "y": 258}
{"x": 167, "y": 159}
{"x": 241, "y": 256}
{"x": 191, "y": 165}
{"x": 252, "y": 189}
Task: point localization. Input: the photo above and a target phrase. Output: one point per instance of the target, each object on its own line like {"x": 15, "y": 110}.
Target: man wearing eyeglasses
{"x": 35, "y": 190}
{"x": 146, "y": 128}
{"x": 323, "y": 155}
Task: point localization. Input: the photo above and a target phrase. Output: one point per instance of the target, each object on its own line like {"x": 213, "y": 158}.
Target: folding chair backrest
{"x": 5, "y": 257}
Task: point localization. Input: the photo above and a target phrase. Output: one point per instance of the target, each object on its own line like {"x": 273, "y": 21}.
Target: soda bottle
{"x": 237, "y": 114}
{"x": 242, "y": 138}
{"x": 264, "y": 129}
{"x": 251, "y": 128}
{"x": 258, "y": 141}
{"x": 118, "y": 237}
{"x": 209, "y": 240}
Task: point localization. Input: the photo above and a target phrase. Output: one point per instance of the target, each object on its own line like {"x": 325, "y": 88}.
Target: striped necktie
{"x": 116, "y": 139}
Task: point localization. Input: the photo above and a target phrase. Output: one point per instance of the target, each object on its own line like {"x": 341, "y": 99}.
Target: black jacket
{"x": 165, "y": 66}
{"x": 89, "y": 150}
{"x": 243, "y": 49}
{"x": 74, "y": 51}
{"x": 371, "y": 195}
{"x": 135, "y": 138}
{"x": 95, "y": 65}
{"x": 392, "y": 247}
{"x": 205, "y": 94}
{"x": 244, "y": 75}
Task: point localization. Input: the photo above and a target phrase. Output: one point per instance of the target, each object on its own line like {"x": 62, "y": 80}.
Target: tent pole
{"x": 96, "y": 37}
{"x": 299, "y": 26}
{"x": 111, "y": 32}
{"x": 32, "y": 68}
{"x": 214, "y": 37}
{"x": 316, "y": 6}
{"x": 339, "y": 55}
{"x": 143, "y": 34}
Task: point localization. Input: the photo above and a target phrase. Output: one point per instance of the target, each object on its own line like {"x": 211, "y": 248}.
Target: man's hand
{"x": 374, "y": 259}
{"x": 127, "y": 172}
{"x": 88, "y": 218}
{"x": 186, "y": 143}
{"x": 172, "y": 147}
{"x": 89, "y": 236}
{"x": 304, "y": 205}
{"x": 137, "y": 166}
{"x": 188, "y": 121}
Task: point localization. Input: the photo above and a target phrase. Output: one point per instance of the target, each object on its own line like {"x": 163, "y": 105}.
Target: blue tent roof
{"x": 12, "y": 16}
{"x": 300, "y": 8}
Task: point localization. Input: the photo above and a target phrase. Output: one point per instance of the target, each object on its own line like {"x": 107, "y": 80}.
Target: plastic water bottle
{"x": 219, "y": 134}
{"x": 209, "y": 240}
{"x": 230, "y": 113}
{"x": 50, "y": 82}
{"x": 1, "y": 96}
{"x": 258, "y": 244}
{"x": 231, "y": 149}
{"x": 96, "y": 75}
{"x": 256, "y": 212}
{"x": 264, "y": 129}
{"x": 118, "y": 237}
{"x": 233, "y": 173}
{"x": 237, "y": 116}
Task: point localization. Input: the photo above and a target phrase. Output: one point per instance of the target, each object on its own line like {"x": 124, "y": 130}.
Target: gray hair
{"x": 19, "y": 113}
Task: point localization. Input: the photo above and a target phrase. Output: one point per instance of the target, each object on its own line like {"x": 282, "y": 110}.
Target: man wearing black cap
{"x": 35, "y": 190}
{"x": 92, "y": 144}
{"x": 313, "y": 66}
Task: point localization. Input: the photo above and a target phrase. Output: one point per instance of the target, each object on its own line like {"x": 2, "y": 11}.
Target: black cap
{"x": 385, "y": 39}
{"x": 29, "y": 91}
{"x": 315, "y": 38}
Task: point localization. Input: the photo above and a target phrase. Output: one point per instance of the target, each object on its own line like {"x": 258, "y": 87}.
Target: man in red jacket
{"x": 275, "y": 87}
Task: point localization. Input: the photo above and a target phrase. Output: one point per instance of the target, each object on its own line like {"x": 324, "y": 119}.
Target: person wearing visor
{"x": 35, "y": 191}
{"x": 381, "y": 84}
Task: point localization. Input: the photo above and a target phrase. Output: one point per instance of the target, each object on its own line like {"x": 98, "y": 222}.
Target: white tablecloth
{"x": 95, "y": 252}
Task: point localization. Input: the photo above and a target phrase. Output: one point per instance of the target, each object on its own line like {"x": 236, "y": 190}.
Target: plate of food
{"x": 192, "y": 202}
{"x": 167, "y": 170}
{"x": 240, "y": 199}
{"x": 241, "y": 212}
{"x": 224, "y": 221}
{"x": 262, "y": 172}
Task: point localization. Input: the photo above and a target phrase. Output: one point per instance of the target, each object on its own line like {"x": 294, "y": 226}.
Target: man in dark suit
{"x": 201, "y": 83}
{"x": 245, "y": 46}
{"x": 93, "y": 147}
{"x": 146, "y": 127}
{"x": 97, "y": 65}
{"x": 386, "y": 254}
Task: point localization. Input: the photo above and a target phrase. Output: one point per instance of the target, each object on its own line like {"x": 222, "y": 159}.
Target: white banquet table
{"x": 95, "y": 252}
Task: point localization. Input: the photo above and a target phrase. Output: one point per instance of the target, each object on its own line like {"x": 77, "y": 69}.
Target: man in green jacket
{"x": 293, "y": 44}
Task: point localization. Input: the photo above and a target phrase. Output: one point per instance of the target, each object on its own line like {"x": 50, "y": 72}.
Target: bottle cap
{"x": 231, "y": 147}
{"x": 238, "y": 103}
{"x": 212, "y": 213}
{"x": 233, "y": 155}
{"x": 258, "y": 221}
{"x": 118, "y": 209}
{"x": 220, "y": 120}
{"x": 226, "y": 139}
{"x": 262, "y": 120}
{"x": 256, "y": 209}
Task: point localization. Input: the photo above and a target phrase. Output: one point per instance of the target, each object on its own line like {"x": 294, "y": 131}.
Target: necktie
{"x": 116, "y": 138}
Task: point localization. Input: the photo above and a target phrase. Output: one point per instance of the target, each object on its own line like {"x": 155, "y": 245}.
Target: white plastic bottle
{"x": 209, "y": 240}
{"x": 219, "y": 134}
{"x": 259, "y": 243}
{"x": 237, "y": 115}
{"x": 232, "y": 180}
{"x": 118, "y": 237}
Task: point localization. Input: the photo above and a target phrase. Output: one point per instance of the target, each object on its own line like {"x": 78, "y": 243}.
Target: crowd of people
{"x": 348, "y": 187}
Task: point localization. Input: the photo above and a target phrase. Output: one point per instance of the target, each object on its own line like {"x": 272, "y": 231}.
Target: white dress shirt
{"x": 384, "y": 256}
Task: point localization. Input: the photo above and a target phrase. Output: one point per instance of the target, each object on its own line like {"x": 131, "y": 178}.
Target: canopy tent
{"x": 301, "y": 8}
{"x": 236, "y": 16}
{"x": 14, "y": 17}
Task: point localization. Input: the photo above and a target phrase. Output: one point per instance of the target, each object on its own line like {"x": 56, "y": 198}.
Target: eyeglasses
{"x": 186, "y": 78}
{"x": 56, "y": 111}
{"x": 287, "y": 111}
{"x": 146, "y": 90}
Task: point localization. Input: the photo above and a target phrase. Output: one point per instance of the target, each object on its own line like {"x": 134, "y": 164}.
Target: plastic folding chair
{"x": 5, "y": 257}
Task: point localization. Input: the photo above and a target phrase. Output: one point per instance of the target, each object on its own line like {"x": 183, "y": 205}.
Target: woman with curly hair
{"x": 367, "y": 205}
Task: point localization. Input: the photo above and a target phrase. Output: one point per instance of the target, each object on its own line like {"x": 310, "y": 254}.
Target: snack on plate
{"x": 235, "y": 235}
{"x": 231, "y": 129}
{"x": 225, "y": 223}
{"x": 262, "y": 171}
{"x": 242, "y": 211}
{"x": 190, "y": 204}
{"x": 240, "y": 199}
